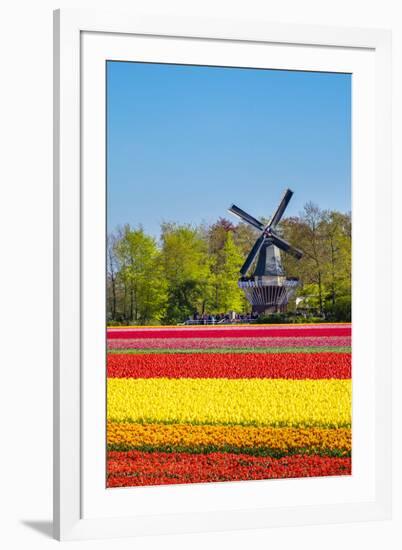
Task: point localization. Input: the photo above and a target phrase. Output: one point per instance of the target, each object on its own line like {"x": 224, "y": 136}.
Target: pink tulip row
{"x": 229, "y": 342}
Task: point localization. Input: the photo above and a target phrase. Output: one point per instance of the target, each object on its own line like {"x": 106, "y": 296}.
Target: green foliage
{"x": 282, "y": 318}
{"x": 113, "y": 323}
{"x": 195, "y": 270}
{"x": 340, "y": 311}
{"x": 325, "y": 268}
{"x": 225, "y": 265}
{"x": 186, "y": 268}
{"x": 140, "y": 273}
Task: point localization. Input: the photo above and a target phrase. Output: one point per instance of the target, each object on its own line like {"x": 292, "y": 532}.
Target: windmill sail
{"x": 252, "y": 254}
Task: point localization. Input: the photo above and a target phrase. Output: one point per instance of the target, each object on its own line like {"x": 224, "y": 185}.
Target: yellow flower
{"x": 259, "y": 402}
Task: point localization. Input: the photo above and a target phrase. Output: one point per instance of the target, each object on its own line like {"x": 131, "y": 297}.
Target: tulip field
{"x": 228, "y": 403}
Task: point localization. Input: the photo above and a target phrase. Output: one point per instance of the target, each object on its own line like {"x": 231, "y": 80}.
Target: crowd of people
{"x": 221, "y": 318}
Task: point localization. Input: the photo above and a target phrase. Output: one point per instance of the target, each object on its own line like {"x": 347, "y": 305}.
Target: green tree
{"x": 244, "y": 235}
{"x": 142, "y": 276}
{"x": 337, "y": 270}
{"x": 185, "y": 264}
{"x": 111, "y": 276}
{"x": 306, "y": 232}
{"x": 217, "y": 233}
{"x": 325, "y": 268}
{"x": 226, "y": 263}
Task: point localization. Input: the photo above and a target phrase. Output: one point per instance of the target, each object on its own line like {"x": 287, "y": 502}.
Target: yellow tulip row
{"x": 258, "y": 402}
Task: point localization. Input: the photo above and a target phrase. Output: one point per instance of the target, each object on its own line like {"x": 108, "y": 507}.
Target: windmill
{"x": 268, "y": 289}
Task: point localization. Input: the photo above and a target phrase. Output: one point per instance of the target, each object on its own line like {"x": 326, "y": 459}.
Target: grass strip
{"x": 252, "y": 451}
{"x": 312, "y": 349}
{"x": 244, "y": 423}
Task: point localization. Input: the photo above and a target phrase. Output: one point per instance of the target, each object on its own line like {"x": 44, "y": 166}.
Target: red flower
{"x": 230, "y": 365}
{"x": 205, "y": 332}
{"x": 155, "y": 468}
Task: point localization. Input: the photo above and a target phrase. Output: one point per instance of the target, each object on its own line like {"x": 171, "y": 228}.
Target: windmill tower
{"x": 268, "y": 289}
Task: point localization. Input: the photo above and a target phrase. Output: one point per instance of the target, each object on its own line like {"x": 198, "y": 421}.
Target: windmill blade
{"x": 285, "y": 246}
{"x": 246, "y": 217}
{"x": 276, "y": 218}
{"x": 253, "y": 253}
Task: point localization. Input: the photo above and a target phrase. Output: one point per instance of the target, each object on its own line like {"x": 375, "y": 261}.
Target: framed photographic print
{"x": 222, "y": 311}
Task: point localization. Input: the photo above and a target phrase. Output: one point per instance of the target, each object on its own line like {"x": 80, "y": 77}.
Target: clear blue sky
{"x": 185, "y": 142}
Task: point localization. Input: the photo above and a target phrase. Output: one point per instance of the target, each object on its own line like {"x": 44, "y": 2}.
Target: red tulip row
{"x": 133, "y": 468}
{"x": 230, "y": 365}
{"x": 201, "y": 332}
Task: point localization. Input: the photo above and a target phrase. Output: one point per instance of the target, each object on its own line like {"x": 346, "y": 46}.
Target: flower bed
{"x": 190, "y": 405}
{"x": 230, "y": 365}
{"x": 139, "y": 468}
{"x": 244, "y": 332}
{"x": 228, "y": 343}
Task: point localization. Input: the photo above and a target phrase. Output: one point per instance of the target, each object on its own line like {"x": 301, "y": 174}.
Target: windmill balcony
{"x": 268, "y": 294}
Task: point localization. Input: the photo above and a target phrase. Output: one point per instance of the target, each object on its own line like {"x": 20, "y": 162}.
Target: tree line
{"x": 194, "y": 269}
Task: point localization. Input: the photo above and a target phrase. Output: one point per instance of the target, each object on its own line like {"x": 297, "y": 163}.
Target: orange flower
{"x": 132, "y": 435}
